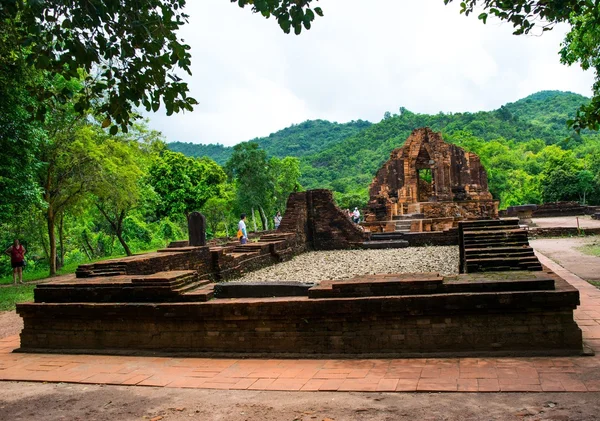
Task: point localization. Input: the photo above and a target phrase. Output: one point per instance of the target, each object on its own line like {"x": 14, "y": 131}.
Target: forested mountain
{"x": 297, "y": 140}
{"x": 516, "y": 143}
{"x": 354, "y": 161}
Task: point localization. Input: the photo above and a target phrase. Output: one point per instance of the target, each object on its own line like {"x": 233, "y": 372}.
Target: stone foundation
{"x": 520, "y": 314}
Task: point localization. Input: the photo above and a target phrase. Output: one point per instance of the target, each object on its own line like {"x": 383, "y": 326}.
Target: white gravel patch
{"x": 317, "y": 266}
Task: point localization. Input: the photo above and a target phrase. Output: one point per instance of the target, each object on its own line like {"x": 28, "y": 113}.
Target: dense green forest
{"x": 530, "y": 154}
{"x": 297, "y": 140}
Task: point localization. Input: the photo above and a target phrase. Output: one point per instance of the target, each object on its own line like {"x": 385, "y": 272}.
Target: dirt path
{"x": 585, "y": 221}
{"x": 38, "y": 401}
{"x": 10, "y": 323}
{"x": 564, "y": 252}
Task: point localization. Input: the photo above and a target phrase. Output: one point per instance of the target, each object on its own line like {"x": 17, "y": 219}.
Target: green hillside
{"x": 354, "y": 161}
{"x": 520, "y": 145}
{"x": 298, "y": 140}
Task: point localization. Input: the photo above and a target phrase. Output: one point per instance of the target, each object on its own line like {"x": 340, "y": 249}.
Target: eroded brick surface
{"x": 459, "y": 186}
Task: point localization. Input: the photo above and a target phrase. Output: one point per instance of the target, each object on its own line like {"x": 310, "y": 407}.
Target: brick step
{"x": 163, "y": 277}
{"x": 170, "y": 284}
{"x": 497, "y": 244}
{"x": 468, "y": 225}
{"x": 408, "y": 216}
{"x": 379, "y": 285}
{"x": 202, "y": 294}
{"x": 494, "y": 233}
{"x": 386, "y": 236}
{"x": 489, "y": 250}
{"x": 472, "y": 257}
{"x": 192, "y": 286}
{"x": 106, "y": 273}
{"x": 473, "y": 242}
{"x": 493, "y": 228}
{"x": 488, "y": 264}
{"x": 383, "y": 244}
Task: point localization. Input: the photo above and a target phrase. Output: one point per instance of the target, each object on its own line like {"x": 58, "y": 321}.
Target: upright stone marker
{"x": 197, "y": 229}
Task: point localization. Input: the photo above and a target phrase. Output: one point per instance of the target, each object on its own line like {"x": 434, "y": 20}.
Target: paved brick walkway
{"x": 571, "y": 374}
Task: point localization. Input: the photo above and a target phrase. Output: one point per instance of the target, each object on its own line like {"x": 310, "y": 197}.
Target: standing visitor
{"x": 356, "y": 216}
{"x": 242, "y": 233}
{"x": 277, "y": 220}
{"x": 17, "y": 260}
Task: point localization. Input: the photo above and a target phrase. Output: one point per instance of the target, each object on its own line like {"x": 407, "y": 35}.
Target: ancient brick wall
{"x": 560, "y": 209}
{"x": 505, "y": 322}
{"x": 457, "y": 176}
{"x": 317, "y": 220}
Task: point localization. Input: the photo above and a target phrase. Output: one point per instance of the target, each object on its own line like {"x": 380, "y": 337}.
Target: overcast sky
{"x": 358, "y": 61}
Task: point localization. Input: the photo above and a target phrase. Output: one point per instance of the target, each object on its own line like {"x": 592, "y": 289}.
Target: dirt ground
{"x": 42, "y": 401}
{"x": 10, "y": 323}
{"x": 564, "y": 252}
{"x": 38, "y": 401}
{"x": 585, "y": 221}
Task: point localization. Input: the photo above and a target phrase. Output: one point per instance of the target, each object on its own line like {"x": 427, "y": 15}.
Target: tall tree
{"x": 117, "y": 187}
{"x": 285, "y": 174}
{"x": 184, "y": 184}
{"x": 249, "y": 167}
{"x": 67, "y": 171}
{"x": 128, "y": 49}
{"x": 19, "y": 137}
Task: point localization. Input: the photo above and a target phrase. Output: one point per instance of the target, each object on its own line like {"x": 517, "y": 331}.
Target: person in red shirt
{"x": 17, "y": 260}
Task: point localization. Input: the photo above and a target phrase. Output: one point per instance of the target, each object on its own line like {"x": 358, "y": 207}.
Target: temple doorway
{"x": 425, "y": 184}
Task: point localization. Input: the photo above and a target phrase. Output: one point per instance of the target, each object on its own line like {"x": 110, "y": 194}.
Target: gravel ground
{"x": 343, "y": 264}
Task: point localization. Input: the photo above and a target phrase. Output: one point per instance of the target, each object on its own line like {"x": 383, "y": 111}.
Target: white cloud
{"x": 357, "y": 62}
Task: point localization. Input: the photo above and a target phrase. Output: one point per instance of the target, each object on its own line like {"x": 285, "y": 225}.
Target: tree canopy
{"x": 128, "y": 52}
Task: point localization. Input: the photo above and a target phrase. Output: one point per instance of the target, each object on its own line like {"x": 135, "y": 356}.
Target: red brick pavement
{"x": 542, "y": 374}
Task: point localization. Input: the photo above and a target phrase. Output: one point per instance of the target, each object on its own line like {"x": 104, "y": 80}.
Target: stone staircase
{"x": 403, "y": 222}
{"x": 386, "y": 240}
{"x": 161, "y": 287}
{"x": 101, "y": 269}
{"x": 495, "y": 245}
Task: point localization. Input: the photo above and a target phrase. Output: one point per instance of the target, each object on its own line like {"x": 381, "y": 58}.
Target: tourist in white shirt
{"x": 356, "y": 216}
{"x": 242, "y": 233}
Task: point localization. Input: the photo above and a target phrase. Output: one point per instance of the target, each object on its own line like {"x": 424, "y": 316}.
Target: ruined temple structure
{"x": 168, "y": 302}
{"x": 428, "y": 185}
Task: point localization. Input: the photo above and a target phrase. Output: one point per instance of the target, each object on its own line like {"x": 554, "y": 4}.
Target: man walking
{"x": 356, "y": 216}
{"x": 242, "y": 233}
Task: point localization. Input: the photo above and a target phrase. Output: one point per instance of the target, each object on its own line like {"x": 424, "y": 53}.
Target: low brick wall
{"x": 503, "y": 323}
{"x": 561, "y": 232}
{"x": 433, "y": 238}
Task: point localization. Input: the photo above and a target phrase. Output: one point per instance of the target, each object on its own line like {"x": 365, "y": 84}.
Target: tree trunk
{"x": 263, "y": 217}
{"x": 87, "y": 241}
{"x": 123, "y": 243}
{"x": 119, "y": 232}
{"x": 43, "y": 241}
{"x": 226, "y": 227}
{"x": 254, "y": 220}
{"x": 87, "y": 253}
{"x": 52, "y": 240}
{"x": 61, "y": 237}
{"x": 117, "y": 227}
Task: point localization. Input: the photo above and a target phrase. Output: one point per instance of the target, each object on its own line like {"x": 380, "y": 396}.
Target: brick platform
{"x": 509, "y": 313}
{"x": 541, "y": 374}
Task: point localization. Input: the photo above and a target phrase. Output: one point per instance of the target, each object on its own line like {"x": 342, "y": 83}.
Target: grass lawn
{"x": 9, "y": 296}
{"x": 595, "y": 283}
{"x": 38, "y": 274}
{"x": 591, "y": 249}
